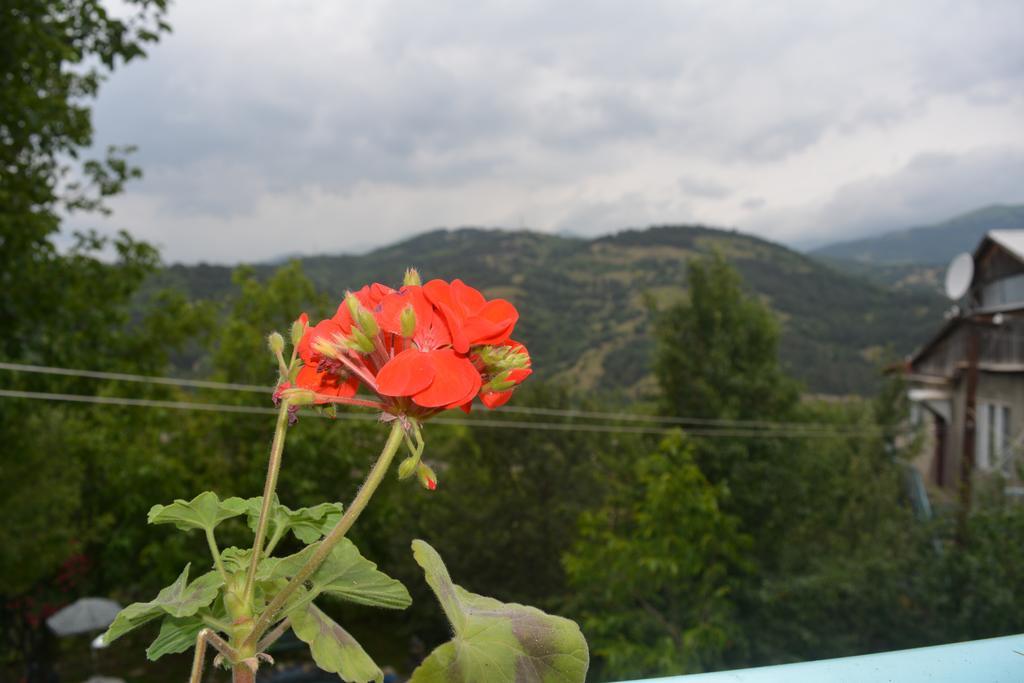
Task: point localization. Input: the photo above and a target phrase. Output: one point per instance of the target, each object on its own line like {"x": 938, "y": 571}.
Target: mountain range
{"x": 845, "y": 309}
{"x": 934, "y": 244}
{"x": 582, "y": 301}
{"x": 916, "y": 258}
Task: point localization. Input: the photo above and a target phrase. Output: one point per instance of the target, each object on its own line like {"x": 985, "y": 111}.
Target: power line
{"x": 505, "y": 424}
{"x": 698, "y": 421}
{"x": 126, "y": 377}
{"x": 156, "y": 403}
{"x": 524, "y": 410}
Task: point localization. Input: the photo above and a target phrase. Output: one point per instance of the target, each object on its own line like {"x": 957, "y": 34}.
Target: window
{"x": 992, "y": 437}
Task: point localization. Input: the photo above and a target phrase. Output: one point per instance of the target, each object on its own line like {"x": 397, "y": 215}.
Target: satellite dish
{"x": 959, "y": 276}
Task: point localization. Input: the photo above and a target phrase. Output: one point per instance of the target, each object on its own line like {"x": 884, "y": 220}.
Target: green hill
{"x": 929, "y": 244}
{"x": 582, "y": 301}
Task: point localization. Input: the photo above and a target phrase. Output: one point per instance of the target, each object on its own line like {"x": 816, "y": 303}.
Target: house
{"x": 973, "y": 367}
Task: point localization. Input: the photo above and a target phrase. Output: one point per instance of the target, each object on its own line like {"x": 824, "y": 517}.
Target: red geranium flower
{"x": 420, "y": 349}
{"x": 472, "y": 319}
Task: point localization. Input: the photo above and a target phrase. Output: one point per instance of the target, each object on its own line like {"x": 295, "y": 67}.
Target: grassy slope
{"x": 582, "y": 301}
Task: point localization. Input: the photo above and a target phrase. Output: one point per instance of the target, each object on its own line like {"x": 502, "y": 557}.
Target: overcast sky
{"x": 268, "y": 127}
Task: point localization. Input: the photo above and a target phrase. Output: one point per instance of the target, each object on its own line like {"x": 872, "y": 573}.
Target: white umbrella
{"x": 84, "y": 615}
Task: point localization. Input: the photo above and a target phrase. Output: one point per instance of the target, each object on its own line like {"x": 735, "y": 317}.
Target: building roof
{"x": 1010, "y": 240}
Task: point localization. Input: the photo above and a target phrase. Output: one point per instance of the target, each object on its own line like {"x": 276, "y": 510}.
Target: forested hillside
{"x": 584, "y": 302}
{"x": 928, "y": 244}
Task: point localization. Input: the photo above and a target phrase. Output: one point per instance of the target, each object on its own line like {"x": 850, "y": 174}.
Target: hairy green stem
{"x": 332, "y": 539}
{"x": 198, "y": 659}
{"x": 215, "y": 552}
{"x": 274, "y": 539}
{"x": 215, "y": 623}
{"x": 273, "y": 467}
{"x": 272, "y": 637}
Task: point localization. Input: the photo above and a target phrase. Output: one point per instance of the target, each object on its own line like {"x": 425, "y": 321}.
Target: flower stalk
{"x": 359, "y": 503}
{"x": 273, "y": 468}
{"x": 419, "y": 350}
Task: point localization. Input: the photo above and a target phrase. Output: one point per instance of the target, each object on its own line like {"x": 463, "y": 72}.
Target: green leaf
{"x": 308, "y": 524}
{"x": 334, "y": 649}
{"x": 236, "y": 559}
{"x": 345, "y": 574}
{"x": 311, "y": 524}
{"x": 495, "y": 641}
{"x": 205, "y": 511}
{"x": 180, "y": 599}
{"x": 176, "y": 635}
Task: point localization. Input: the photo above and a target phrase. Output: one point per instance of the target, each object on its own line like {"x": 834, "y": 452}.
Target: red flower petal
{"x": 494, "y": 323}
{"x": 326, "y": 383}
{"x": 495, "y": 399}
{"x": 440, "y": 293}
{"x": 326, "y": 329}
{"x": 519, "y": 375}
{"x": 470, "y": 317}
{"x": 468, "y": 299}
{"x": 455, "y": 381}
{"x": 406, "y": 374}
{"x": 308, "y": 378}
{"x": 456, "y": 328}
{"x": 395, "y": 303}
{"x": 346, "y": 387}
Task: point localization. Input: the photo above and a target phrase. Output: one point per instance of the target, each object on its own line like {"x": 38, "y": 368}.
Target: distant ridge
{"x": 583, "y": 301}
{"x": 928, "y": 244}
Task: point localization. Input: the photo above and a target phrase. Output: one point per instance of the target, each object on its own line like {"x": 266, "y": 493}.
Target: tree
{"x": 654, "y": 570}
{"x": 716, "y": 357}
{"x": 717, "y": 352}
{"x": 53, "y": 58}
{"x": 829, "y": 534}
{"x": 260, "y": 306}
{"x": 68, "y": 309}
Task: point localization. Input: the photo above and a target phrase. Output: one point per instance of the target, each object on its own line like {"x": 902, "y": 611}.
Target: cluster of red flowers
{"x": 422, "y": 348}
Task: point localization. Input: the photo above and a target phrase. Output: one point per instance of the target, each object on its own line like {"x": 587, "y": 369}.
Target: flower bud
{"x": 408, "y": 467}
{"x": 353, "y": 304}
{"x": 276, "y": 343}
{"x": 299, "y": 328}
{"x": 412, "y": 278}
{"x": 408, "y": 321}
{"x": 359, "y": 341}
{"x": 360, "y": 316}
{"x": 497, "y": 385}
{"x": 517, "y": 360}
{"x": 367, "y": 322}
{"x": 299, "y": 397}
{"x": 425, "y": 474}
{"x": 325, "y": 348}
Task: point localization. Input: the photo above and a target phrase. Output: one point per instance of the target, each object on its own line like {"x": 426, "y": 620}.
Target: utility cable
{"x": 126, "y": 377}
{"x": 506, "y": 424}
{"x": 523, "y": 410}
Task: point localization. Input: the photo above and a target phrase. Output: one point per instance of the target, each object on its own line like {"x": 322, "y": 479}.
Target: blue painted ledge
{"x": 978, "y": 661}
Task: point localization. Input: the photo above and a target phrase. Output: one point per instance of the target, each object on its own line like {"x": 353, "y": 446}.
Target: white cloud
{"x": 929, "y": 189}
{"x": 388, "y": 118}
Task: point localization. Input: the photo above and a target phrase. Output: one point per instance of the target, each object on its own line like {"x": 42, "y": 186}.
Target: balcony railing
{"x": 1000, "y": 348}
{"x": 995, "y": 660}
